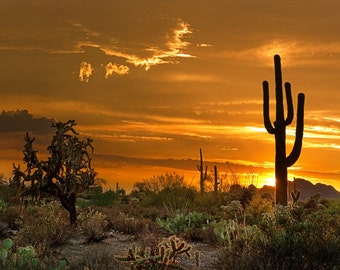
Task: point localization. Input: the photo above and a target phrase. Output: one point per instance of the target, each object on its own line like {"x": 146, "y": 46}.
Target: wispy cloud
{"x": 190, "y": 77}
{"x": 134, "y": 138}
{"x": 115, "y": 69}
{"x": 85, "y": 71}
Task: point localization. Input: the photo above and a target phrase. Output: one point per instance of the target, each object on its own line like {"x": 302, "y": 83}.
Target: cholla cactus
{"x": 163, "y": 257}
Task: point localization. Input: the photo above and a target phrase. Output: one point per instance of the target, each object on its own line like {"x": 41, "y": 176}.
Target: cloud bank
{"x": 22, "y": 120}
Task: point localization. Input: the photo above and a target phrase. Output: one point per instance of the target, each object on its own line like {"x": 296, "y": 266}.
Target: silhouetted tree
{"x": 66, "y": 172}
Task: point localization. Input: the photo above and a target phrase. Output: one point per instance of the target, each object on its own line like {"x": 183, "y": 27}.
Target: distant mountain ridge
{"x": 307, "y": 189}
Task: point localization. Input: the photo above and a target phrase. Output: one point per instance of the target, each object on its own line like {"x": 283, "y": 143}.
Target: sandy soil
{"x": 118, "y": 244}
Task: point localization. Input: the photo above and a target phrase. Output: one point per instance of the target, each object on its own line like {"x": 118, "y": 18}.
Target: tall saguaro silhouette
{"x": 282, "y": 162}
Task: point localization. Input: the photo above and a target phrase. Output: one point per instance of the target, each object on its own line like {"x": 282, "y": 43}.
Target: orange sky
{"x": 153, "y": 80}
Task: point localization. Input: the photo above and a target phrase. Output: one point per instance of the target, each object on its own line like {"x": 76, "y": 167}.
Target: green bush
{"x": 24, "y": 258}
{"x": 182, "y": 222}
{"x": 43, "y": 226}
{"x": 3, "y": 204}
{"x": 283, "y": 241}
{"x": 99, "y": 198}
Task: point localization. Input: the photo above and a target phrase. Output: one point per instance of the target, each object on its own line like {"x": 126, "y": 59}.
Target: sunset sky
{"x": 153, "y": 81}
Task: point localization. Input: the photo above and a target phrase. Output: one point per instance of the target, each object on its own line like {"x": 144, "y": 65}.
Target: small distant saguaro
{"x": 282, "y": 162}
{"x": 203, "y": 173}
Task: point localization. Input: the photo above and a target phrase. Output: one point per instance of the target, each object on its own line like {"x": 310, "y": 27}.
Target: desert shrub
{"x": 94, "y": 224}
{"x": 153, "y": 212}
{"x": 256, "y": 208}
{"x": 107, "y": 198}
{"x": 24, "y": 258}
{"x": 12, "y": 216}
{"x": 204, "y": 235}
{"x": 283, "y": 242}
{"x": 155, "y": 184}
{"x": 182, "y": 222}
{"x": 97, "y": 197}
{"x": 170, "y": 200}
{"x": 168, "y": 191}
{"x": 233, "y": 210}
{"x": 43, "y": 226}
{"x": 3, "y": 205}
{"x": 208, "y": 202}
{"x": 127, "y": 224}
{"x": 95, "y": 259}
{"x": 241, "y": 194}
{"x": 8, "y": 192}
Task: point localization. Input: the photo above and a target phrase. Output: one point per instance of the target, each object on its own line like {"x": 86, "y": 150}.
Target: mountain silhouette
{"x": 307, "y": 189}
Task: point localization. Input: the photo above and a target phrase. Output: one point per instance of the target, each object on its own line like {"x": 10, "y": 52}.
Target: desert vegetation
{"x": 171, "y": 225}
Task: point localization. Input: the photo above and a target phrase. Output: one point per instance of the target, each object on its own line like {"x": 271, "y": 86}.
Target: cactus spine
{"x": 282, "y": 162}
{"x": 203, "y": 173}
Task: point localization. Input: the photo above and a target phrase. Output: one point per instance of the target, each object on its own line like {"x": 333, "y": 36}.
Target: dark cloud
{"x": 22, "y": 120}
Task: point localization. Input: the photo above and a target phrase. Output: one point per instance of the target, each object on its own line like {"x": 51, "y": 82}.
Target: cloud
{"x": 174, "y": 48}
{"x": 203, "y": 45}
{"x": 190, "y": 77}
{"x": 85, "y": 71}
{"x": 22, "y": 120}
{"x": 117, "y": 69}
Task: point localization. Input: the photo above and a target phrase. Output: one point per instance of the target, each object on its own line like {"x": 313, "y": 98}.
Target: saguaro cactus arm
{"x": 290, "y": 108}
{"x": 294, "y": 155}
{"x": 267, "y": 123}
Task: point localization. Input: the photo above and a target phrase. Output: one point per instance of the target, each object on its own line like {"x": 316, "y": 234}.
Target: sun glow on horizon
{"x": 268, "y": 181}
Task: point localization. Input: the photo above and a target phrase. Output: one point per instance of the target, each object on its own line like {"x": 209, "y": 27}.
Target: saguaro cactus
{"x": 203, "y": 173}
{"x": 282, "y": 162}
{"x": 295, "y": 194}
{"x": 216, "y": 182}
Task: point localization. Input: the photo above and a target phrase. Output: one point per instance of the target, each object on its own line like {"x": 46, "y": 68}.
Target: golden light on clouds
{"x": 174, "y": 48}
{"x": 115, "y": 69}
{"x": 294, "y": 52}
{"x": 175, "y": 44}
{"x": 280, "y": 47}
{"x": 85, "y": 71}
